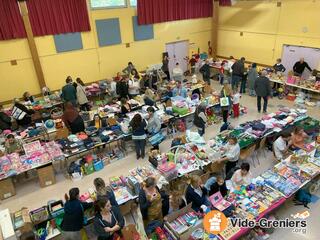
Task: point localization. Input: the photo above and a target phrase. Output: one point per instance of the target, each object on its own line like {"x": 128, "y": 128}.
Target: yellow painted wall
{"x": 266, "y": 28}
{"x": 93, "y": 63}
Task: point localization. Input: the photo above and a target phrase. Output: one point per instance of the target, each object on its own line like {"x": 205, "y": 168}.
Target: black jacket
{"x": 205, "y": 70}
{"x": 195, "y": 199}
{"x": 5, "y": 121}
{"x": 144, "y": 203}
{"x": 27, "y": 118}
{"x": 238, "y": 68}
{"x": 262, "y": 87}
{"x": 122, "y": 89}
{"x": 214, "y": 188}
{"x": 74, "y": 215}
{"x": 99, "y": 224}
{"x": 279, "y": 68}
{"x": 299, "y": 67}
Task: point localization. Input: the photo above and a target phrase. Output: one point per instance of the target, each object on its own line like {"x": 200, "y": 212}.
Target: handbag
{"x": 224, "y": 102}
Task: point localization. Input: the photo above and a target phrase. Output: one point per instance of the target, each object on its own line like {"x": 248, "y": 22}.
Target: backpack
{"x": 302, "y": 197}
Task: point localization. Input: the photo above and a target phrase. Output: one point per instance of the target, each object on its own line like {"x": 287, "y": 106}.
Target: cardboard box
{"x": 46, "y": 176}
{"x": 7, "y": 188}
{"x": 22, "y": 221}
{"x": 185, "y": 235}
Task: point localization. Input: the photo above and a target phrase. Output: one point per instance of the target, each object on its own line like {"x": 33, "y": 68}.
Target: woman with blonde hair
{"x": 197, "y": 194}
{"x": 226, "y": 94}
{"x": 103, "y": 190}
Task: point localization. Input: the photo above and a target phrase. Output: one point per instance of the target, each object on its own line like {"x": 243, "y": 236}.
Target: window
{"x": 108, "y": 3}
{"x": 133, "y": 3}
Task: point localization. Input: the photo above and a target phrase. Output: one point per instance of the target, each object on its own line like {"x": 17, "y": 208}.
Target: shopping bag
{"x": 224, "y": 101}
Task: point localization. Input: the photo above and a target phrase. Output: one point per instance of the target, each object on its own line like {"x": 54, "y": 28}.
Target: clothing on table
{"x": 262, "y": 86}
{"x": 74, "y": 215}
{"x": 69, "y": 94}
{"x": 252, "y": 77}
{"x": 154, "y": 124}
{"x": 300, "y": 67}
{"x": 278, "y": 147}
{"x": 265, "y": 103}
{"x": 213, "y": 187}
{"x": 22, "y": 114}
{"x": 182, "y": 92}
{"x": 134, "y": 87}
{"x": 197, "y": 197}
{"x": 81, "y": 95}
{"x": 13, "y": 147}
{"x": 112, "y": 88}
{"x": 100, "y": 224}
{"x": 85, "y": 107}
{"x": 5, "y": 121}
{"x": 205, "y": 70}
{"x": 278, "y": 67}
{"x": 239, "y": 180}
{"x": 122, "y": 89}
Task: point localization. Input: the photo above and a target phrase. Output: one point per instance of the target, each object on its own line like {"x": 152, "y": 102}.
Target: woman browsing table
{"x": 108, "y": 220}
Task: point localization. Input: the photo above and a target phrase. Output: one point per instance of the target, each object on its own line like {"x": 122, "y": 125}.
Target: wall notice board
{"x": 291, "y": 54}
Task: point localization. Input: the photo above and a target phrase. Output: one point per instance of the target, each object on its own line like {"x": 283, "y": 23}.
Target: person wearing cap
{"x": 263, "y": 90}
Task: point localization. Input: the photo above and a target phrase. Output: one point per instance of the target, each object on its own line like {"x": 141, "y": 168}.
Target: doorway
{"x": 178, "y": 52}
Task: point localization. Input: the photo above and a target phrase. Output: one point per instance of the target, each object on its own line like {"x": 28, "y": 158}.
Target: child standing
{"x": 236, "y": 104}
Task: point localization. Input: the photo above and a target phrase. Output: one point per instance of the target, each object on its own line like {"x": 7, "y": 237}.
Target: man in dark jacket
{"x": 205, "y": 70}
{"x": 69, "y": 92}
{"x": 299, "y": 67}
{"x": 237, "y": 72}
{"x": 263, "y": 90}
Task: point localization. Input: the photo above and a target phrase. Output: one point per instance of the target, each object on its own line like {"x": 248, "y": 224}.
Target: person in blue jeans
{"x": 139, "y": 136}
{"x": 216, "y": 184}
{"x": 237, "y": 73}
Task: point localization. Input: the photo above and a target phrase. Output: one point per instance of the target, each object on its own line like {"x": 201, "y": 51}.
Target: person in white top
{"x": 134, "y": 83}
{"x": 281, "y": 146}
{"x": 242, "y": 177}
{"x": 177, "y": 73}
{"x": 231, "y": 154}
{"x": 236, "y": 103}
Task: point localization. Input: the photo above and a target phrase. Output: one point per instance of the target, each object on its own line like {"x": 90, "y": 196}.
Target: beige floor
{"x": 30, "y": 195}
